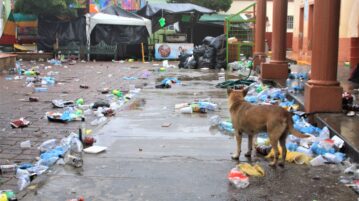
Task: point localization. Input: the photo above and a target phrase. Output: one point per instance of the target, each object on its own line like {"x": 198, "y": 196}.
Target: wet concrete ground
{"x": 186, "y": 161}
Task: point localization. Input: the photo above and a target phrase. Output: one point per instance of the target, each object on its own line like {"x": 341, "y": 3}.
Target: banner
{"x": 172, "y": 50}
{"x": 97, "y": 5}
{"x": 132, "y": 4}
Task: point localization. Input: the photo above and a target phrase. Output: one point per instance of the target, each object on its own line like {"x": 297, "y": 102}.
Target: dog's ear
{"x": 229, "y": 90}
{"x": 245, "y": 91}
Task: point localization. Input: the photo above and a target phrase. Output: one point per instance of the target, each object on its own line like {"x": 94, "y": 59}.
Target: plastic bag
{"x": 238, "y": 178}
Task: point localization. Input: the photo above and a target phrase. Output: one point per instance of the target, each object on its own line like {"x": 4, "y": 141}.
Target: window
{"x": 290, "y": 19}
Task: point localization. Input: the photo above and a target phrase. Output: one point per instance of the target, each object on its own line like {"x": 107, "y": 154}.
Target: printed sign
{"x": 172, "y": 50}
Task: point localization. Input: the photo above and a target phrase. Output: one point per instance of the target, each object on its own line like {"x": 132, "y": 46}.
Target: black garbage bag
{"x": 221, "y": 64}
{"x": 221, "y": 54}
{"x": 182, "y": 58}
{"x": 205, "y": 63}
{"x": 354, "y": 77}
{"x": 219, "y": 42}
{"x": 208, "y": 40}
{"x": 190, "y": 63}
{"x": 199, "y": 51}
{"x": 210, "y": 53}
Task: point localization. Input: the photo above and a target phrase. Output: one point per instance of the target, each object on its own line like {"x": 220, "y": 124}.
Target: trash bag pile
{"x": 210, "y": 54}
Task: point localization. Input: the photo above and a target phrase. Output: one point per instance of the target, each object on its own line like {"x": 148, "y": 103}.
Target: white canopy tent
{"x": 108, "y": 19}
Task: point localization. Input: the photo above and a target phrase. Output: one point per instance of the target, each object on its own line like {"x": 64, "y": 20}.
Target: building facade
{"x": 238, "y": 5}
{"x": 348, "y": 30}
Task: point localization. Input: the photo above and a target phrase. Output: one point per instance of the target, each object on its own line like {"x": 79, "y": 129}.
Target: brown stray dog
{"x": 252, "y": 119}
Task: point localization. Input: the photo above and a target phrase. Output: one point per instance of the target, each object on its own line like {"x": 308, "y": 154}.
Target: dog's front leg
{"x": 237, "y": 153}
{"x": 250, "y": 146}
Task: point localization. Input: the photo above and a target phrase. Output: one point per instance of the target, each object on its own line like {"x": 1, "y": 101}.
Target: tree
{"x": 218, "y": 5}
{"x": 56, "y": 8}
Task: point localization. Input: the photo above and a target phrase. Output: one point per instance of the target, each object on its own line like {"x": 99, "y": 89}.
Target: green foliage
{"x": 218, "y": 5}
{"x": 59, "y": 8}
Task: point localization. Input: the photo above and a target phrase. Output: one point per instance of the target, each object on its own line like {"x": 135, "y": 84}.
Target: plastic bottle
{"x": 74, "y": 156}
{"x": 3, "y": 197}
{"x": 7, "y": 195}
{"x": 226, "y": 126}
{"x": 208, "y": 105}
{"x": 215, "y": 120}
{"x": 47, "y": 145}
{"x": 40, "y": 89}
{"x": 8, "y": 169}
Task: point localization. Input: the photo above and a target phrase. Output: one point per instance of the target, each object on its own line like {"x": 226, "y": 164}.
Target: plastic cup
{"x": 186, "y": 110}
{"x": 318, "y": 161}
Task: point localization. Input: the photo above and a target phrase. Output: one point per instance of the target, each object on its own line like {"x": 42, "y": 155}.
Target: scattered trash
{"x": 95, "y": 149}
{"x": 105, "y": 91}
{"x": 186, "y": 110}
{"x": 62, "y": 103}
{"x": 7, "y": 195}
{"x": 8, "y": 169}
{"x": 40, "y": 89}
{"x": 82, "y": 86}
{"x": 166, "y": 125}
{"x": 77, "y": 199}
{"x": 89, "y": 140}
{"x": 20, "y": 123}
{"x": 33, "y": 99}
{"x": 102, "y": 104}
{"x": 251, "y": 170}
{"x": 238, "y": 178}
{"x": 318, "y": 161}
{"x": 25, "y": 144}
{"x": 263, "y": 149}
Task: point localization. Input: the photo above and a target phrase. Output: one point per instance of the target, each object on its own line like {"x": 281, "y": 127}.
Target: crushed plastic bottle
{"x": 215, "y": 120}
{"x": 226, "y": 126}
{"x": 8, "y": 169}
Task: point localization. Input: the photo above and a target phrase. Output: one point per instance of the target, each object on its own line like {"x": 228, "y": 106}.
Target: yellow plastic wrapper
{"x": 251, "y": 170}
{"x": 292, "y": 157}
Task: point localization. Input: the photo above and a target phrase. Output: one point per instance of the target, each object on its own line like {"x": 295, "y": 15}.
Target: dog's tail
{"x": 292, "y": 130}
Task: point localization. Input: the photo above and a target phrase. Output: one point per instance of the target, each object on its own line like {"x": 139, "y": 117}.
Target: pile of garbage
{"x": 211, "y": 54}
{"x": 239, "y": 175}
{"x": 296, "y": 82}
{"x": 200, "y": 106}
{"x": 50, "y": 153}
{"x": 316, "y": 150}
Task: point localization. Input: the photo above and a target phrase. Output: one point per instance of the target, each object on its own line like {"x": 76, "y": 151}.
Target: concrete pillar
{"x": 322, "y": 92}
{"x": 260, "y": 31}
{"x": 278, "y": 66}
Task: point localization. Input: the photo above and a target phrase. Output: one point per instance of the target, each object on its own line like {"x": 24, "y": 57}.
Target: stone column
{"x": 260, "y": 31}
{"x": 322, "y": 92}
{"x": 277, "y": 68}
